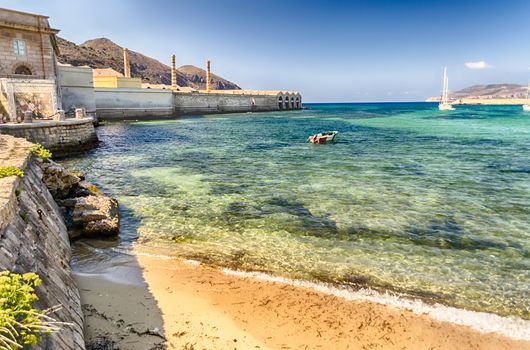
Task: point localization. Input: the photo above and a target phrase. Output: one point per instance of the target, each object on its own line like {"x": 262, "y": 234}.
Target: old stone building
{"x": 27, "y": 46}
{"x": 28, "y": 66}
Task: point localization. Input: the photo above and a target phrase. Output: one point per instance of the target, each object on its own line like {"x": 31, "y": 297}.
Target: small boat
{"x": 323, "y": 137}
{"x": 526, "y": 106}
{"x": 445, "y": 105}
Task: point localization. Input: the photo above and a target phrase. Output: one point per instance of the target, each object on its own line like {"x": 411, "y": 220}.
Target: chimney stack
{"x": 208, "y": 82}
{"x": 173, "y": 72}
{"x": 126, "y": 65}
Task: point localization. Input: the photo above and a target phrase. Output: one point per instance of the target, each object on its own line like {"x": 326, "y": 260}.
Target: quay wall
{"x": 60, "y": 137}
{"x": 133, "y": 104}
{"x": 209, "y": 103}
{"x": 34, "y": 238}
{"x": 123, "y": 104}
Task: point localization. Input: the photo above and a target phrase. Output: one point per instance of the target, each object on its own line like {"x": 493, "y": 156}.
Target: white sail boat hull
{"x": 526, "y": 108}
{"x": 446, "y": 107}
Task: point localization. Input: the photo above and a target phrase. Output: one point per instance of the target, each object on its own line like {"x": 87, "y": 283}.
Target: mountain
{"x": 490, "y": 91}
{"x": 103, "y": 53}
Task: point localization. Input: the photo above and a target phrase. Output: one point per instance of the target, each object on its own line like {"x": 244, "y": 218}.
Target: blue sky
{"x": 328, "y": 50}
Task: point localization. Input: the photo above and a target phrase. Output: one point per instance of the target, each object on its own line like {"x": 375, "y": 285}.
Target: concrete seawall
{"x": 129, "y": 104}
{"x": 61, "y": 137}
{"x": 34, "y": 239}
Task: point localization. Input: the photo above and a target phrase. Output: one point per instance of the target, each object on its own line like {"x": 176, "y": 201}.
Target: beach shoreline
{"x": 147, "y": 302}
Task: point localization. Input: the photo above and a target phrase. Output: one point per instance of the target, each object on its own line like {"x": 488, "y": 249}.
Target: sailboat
{"x": 444, "y": 103}
{"x": 526, "y": 106}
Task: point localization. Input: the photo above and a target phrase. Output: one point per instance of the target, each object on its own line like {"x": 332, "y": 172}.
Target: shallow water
{"x": 433, "y": 204}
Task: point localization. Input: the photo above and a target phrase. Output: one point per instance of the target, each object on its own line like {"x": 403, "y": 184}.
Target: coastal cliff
{"x": 34, "y": 238}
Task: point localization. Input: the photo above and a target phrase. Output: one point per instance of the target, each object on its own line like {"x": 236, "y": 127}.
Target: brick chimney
{"x": 173, "y": 72}
{"x": 126, "y": 64}
{"x": 208, "y": 80}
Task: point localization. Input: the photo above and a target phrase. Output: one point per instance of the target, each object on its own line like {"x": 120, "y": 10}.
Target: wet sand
{"x": 153, "y": 303}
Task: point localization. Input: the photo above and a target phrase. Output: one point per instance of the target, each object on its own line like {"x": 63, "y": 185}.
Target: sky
{"x": 330, "y": 51}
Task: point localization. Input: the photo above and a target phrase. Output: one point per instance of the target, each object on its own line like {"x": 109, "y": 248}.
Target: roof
{"x": 106, "y": 72}
{"x": 25, "y": 21}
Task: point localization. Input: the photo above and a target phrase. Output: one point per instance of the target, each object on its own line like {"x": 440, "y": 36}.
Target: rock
{"x": 90, "y": 187}
{"x": 96, "y": 215}
{"x": 59, "y": 180}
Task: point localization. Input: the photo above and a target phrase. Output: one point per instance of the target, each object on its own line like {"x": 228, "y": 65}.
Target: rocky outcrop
{"x": 87, "y": 211}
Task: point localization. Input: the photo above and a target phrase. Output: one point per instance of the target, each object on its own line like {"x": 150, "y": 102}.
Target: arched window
{"x": 22, "y": 70}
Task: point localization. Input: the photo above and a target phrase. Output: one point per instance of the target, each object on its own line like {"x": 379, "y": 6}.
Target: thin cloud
{"x": 477, "y": 65}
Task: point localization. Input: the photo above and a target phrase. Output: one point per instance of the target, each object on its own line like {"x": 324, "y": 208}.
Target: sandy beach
{"x": 155, "y": 303}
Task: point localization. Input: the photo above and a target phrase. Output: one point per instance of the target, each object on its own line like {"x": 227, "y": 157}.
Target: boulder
{"x": 96, "y": 215}
{"x": 59, "y": 180}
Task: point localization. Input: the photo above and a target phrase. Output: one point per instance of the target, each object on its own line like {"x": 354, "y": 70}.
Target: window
{"x": 20, "y": 47}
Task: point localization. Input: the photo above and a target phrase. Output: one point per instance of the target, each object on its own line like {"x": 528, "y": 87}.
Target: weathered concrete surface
{"x": 61, "y": 137}
{"x": 132, "y": 104}
{"x": 33, "y": 238}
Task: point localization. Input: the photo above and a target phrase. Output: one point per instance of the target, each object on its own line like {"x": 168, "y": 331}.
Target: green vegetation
{"x": 18, "y": 192}
{"x": 6, "y": 171}
{"x": 41, "y": 152}
{"x": 21, "y": 324}
{"x": 25, "y": 217}
{"x": 93, "y": 189}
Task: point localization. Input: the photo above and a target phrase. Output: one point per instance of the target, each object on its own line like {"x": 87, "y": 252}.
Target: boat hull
{"x": 445, "y": 107}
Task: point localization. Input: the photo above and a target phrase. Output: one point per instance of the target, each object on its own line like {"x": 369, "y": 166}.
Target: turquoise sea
{"x": 431, "y": 204}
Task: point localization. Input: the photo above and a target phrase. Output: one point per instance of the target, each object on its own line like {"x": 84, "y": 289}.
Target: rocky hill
{"x": 490, "y": 91}
{"x": 103, "y": 53}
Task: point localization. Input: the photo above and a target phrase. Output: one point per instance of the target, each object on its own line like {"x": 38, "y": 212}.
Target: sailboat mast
{"x": 444, "y": 89}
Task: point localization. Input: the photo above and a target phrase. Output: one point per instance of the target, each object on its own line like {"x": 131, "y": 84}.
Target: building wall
{"x": 119, "y": 104}
{"x": 61, "y": 137}
{"x": 76, "y": 88}
{"x": 33, "y": 242}
{"x": 39, "y": 56}
{"x": 117, "y": 82}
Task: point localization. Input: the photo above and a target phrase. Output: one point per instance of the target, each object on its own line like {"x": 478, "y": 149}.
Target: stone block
{"x": 60, "y": 115}
{"x": 28, "y": 117}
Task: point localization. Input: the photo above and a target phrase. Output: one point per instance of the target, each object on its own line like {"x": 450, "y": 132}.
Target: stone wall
{"x": 124, "y": 104}
{"x": 33, "y": 238}
{"x": 61, "y": 137}
{"x": 209, "y": 103}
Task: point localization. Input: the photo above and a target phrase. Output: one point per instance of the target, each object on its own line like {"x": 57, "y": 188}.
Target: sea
{"x": 430, "y": 205}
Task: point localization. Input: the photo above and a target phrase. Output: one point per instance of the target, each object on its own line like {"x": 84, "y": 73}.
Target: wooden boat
{"x": 323, "y": 137}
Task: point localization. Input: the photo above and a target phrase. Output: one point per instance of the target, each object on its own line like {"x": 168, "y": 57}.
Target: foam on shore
{"x": 512, "y": 327}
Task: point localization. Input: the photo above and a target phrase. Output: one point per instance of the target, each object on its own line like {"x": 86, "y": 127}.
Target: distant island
{"x": 488, "y": 94}
{"x": 104, "y": 53}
